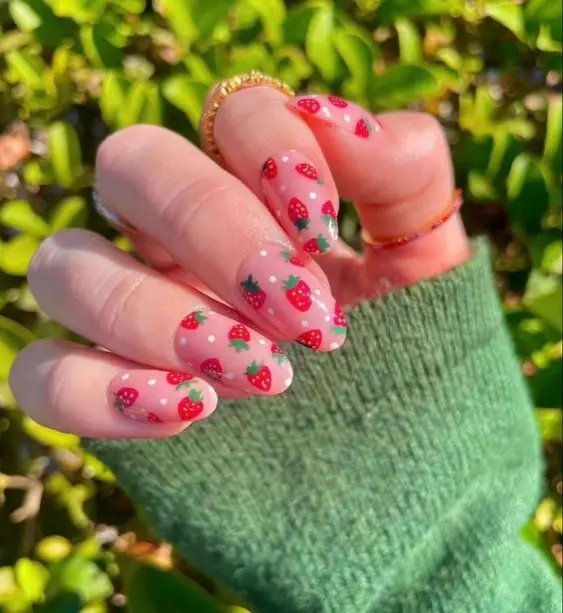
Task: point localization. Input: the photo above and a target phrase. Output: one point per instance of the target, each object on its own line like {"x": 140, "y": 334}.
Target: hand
{"x": 238, "y": 259}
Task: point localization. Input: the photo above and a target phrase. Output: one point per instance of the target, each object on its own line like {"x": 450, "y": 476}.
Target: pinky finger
{"x": 96, "y": 394}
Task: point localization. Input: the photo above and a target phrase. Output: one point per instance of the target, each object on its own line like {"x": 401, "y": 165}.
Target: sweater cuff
{"x": 316, "y": 500}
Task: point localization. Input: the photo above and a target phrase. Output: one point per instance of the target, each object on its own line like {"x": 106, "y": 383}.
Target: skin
{"x": 197, "y": 223}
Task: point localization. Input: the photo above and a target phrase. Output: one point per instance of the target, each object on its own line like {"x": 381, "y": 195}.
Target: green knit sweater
{"x": 394, "y": 476}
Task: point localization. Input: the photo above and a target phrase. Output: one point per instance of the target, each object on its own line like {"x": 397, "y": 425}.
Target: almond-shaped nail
{"x": 278, "y": 286}
{"x": 231, "y": 352}
{"x": 297, "y": 195}
{"x": 339, "y": 112}
{"x": 161, "y": 397}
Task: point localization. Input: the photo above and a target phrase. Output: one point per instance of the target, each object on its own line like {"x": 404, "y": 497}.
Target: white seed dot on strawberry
{"x": 211, "y": 338}
{"x": 151, "y": 382}
{"x": 125, "y": 376}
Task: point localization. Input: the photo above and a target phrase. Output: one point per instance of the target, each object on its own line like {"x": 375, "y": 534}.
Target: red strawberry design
{"x": 125, "y": 398}
{"x": 193, "y": 320}
{"x": 298, "y": 214}
{"x": 278, "y": 354}
{"x": 339, "y": 322}
{"x": 310, "y": 105}
{"x": 311, "y": 339}
{"x": 192, "y": 406}
{"x": 298, "y": 293}
{"x": 154, "y": 419}
{"x": 270, "y": 169}
{"x": 212, "y": 368}
{"x": 308, "y": 171}
{"x": 239, "y": 336}
{"x": 328, "y": 213}
{"x": 253, "y": 294}
{"x": 316, "y": 245}
{"x": 291, "y": 258}
{"x": 177, "y": 378}
{"x": 363, "y": 128}
{"x": 337, "y": 101}
{"x": 259, "y": 376}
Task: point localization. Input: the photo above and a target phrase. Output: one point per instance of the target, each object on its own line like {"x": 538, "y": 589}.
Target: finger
{"x": 396, "y": 167}
{"x": 277, "y": 156}
{"x": 103, "y": 294}
{"x": 95, "y": 394}
{"x": 216, "y": 228}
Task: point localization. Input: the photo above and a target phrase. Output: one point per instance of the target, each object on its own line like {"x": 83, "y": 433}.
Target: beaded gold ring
{"x": 387, "y": 244}
{"x": 225, "y": 88}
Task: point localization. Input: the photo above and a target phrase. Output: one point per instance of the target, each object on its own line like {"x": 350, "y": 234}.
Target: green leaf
{"x": 358, "y": 57}
{"x": 544, "y": 13}
{"x": 410, "y": 44}
{"x": 49, "y": 437}
{"x": 209, "y": 15}
{"x": 551, "y": 424}
{"x": 143, "y": 105}
{"x": 186, "y": 94}
{"x": 19, "y": 215}
{"x": 9, "y": 589}
{"x": 53, "y": 548}
{"x": 71, "y": 212}
{"x": 320, "y": 45}
{"x": 32, "y": 577}
{"x": 16, "y": 254}
{"x": 554, "y": 130}
{"x": 98, "y": 47}
{"x": 131, "y": 6}
{"x": 528, "y": 191}
{"x": 26, "y": 68}
{"x": 272, "y": 15}
{"x": 402, "y": 85}
{"x": 510, "y": 16}
{"x": 297, "y": 23}
{"x": 391, "y": 10}
{"x": 65, "y": 153}
{"x": 112, "y": 96}
{"x": 547, "y": 306}
{"x": 13, "y": 338}
{"x": 155, "y": 591}
{"x": 65, "y": 603}
{"x": 79, "y": 576}
{"x": 178, "y": 16}
{"x": 81, "y": 11}
{"x": 37, "y": 17}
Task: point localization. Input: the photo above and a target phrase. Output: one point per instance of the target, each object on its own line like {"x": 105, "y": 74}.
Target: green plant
{"x": 73, "y": 70}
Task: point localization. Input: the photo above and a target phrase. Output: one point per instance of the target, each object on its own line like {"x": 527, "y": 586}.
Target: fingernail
{"x": 297, "y": 195}
{"x": 338, "y": 112}
{"x": 233, "y": 353}
{"x": 161, "y": 397}
{"x": 276, "y": 284}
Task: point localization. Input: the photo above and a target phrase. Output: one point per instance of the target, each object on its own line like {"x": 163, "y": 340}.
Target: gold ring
{"x": 224, "y": 88}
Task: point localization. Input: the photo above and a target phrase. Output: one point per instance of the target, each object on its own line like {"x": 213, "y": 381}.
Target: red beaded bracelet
{"x": 394, "y": 243}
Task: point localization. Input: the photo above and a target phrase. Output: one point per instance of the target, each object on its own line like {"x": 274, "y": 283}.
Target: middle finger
{"x": 216, "y": 228}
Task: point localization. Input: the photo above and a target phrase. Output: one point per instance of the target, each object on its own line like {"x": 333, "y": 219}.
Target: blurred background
{"x": 71, "y": 71}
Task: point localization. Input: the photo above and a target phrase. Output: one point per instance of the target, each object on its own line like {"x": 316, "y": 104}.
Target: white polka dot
{"x": 283, "y": 188}
{"x": 163, "y": 401}
{"x": 313, "y": 196}
{"x": 304, "y": 324}
{"x": 230, "y": 375}
{"x": 318, "y": 292}
{"x": 287, "y": 382}
{"x": 272, "y": 279}
{"x": 325, "y": 111}
{"x": 263, "y": 253}
{"x": 151, "y": 382}
{"x": 211, "y": 338}
{"x": 327, "y": 318}
{"x": 334, "y": 345}
{"x": 270, "y": 311}
{"x": 182, "y": 341}
{"x": 261, "y": 341}
{"x": 125, "y": 376}
{"x": 285, "y": 158}
{"x": 347, "y": 118}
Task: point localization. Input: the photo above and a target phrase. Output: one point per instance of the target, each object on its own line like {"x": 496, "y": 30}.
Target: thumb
{"x": 396, "y": 167}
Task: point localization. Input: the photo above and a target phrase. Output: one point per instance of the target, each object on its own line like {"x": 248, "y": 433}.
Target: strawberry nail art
{"x": 160, "y": 397}
{"x": 298, "y": 197}
{"x": 224, "y": 350}
{"x": 338, "y": 112}
{"x": 278, "y": 286}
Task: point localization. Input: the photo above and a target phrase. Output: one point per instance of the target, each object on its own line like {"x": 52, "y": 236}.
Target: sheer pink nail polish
{"x": 232, "y": 352}
{"x": 278, "y": 286}
{"x": 298, "y": 197}
{"x": 160, "y": 397}
{"x": 339, "y": 112}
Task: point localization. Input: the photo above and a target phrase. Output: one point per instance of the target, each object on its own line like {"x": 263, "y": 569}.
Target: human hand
{"x": 228, "y": 277}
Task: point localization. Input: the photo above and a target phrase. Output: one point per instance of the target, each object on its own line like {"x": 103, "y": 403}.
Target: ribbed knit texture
{"x": 394, "y": 476}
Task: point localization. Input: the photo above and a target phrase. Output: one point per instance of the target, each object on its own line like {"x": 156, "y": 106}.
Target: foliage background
{"x": 73, "y": 70}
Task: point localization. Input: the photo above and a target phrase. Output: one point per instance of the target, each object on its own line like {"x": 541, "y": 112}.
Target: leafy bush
{"x": 73, "y": 70}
